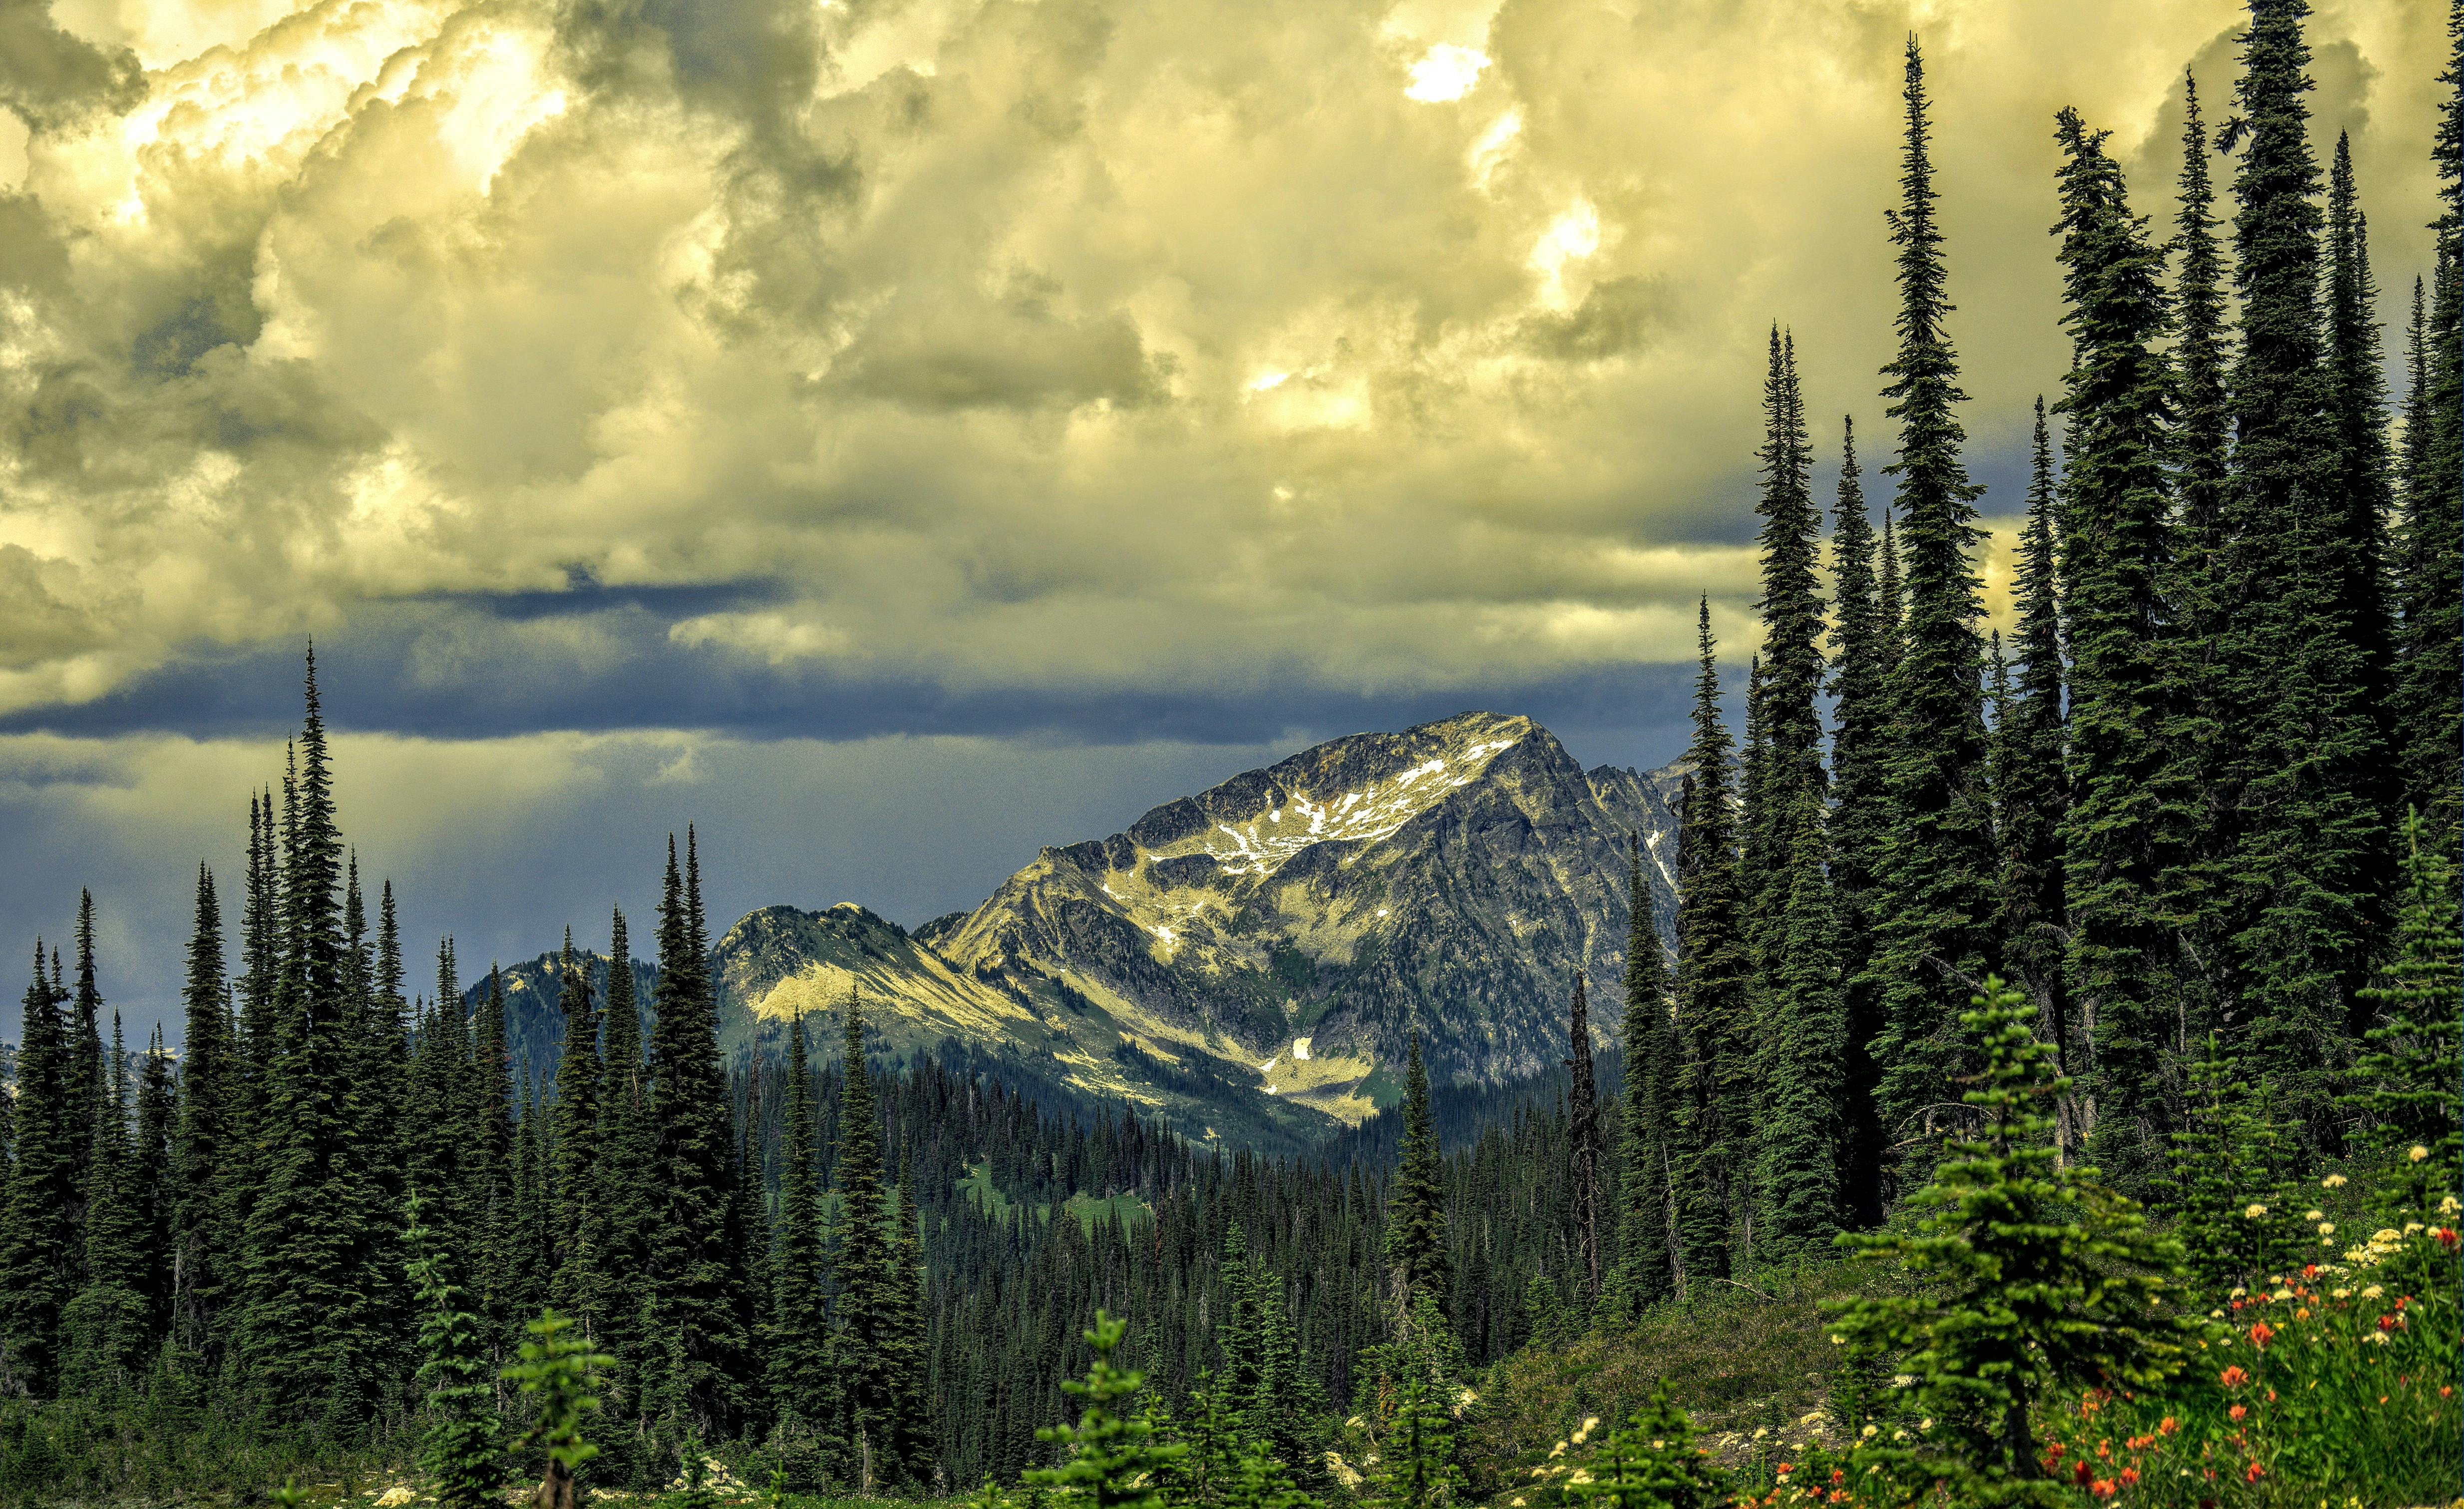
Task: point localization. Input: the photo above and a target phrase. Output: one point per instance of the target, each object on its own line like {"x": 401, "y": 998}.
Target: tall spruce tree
{"x": 1859, "y": 821}
{"x": 2308, "y": 747}
{"x": 692, "y": 1291}
{"x": 2429, "y": 696}
{"x": 488, "y": 1189}
{"x": 2364, "y": 484}
{"x": 150, "y": 1182}
{"x": 1792, "y": 608}
{"x": 1797, "y": 1138}
{"x": 104, "y": 1328}
{"x": 626, "y": 1149}
{"x": 2125, "y": 825}
{"x": 1936, "y": 921}
{"x": 2198, "y": 594}
{"x": 38, "y": 1263}
{"x": 799, "y": 1340}
{"x": 580, "y": 1288}
{"x": 1418, "y": 1260}
{"x": 305, "y": 1330}
{"x": 862, "y": 1267}
{"x": 1647, "y": 1141}
{"x": 2031, "y": 789}
{"x": 205, "y": 1236}
{"x": 89, "y": 1079}
{"x": 1713, "y": 983}
{"x": 1583, "y": 1145}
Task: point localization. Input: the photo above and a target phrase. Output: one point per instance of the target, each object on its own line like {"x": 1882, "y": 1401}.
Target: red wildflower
{"x": 2140, "y": 1443}
{"x": 1839, "y": 1475}
{"x": 2233, "y": 1377}
{"x": 2238, "y": 1411}
{"x": 2446, "y": 1235}
{"x": 2080, "y": 1473}
{"x": 2261, "y": 1334}
{"x": 2388, "y": 1323}
{"x": 2102, "y": 1488}
{"x": 2129, "y": 1477}
{"x": 2167, "y": 1426}
{"x": 2253, "y": 1473}
{"x": 2444, "y": 1389}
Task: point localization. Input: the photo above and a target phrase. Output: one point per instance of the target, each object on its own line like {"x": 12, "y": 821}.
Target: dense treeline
{"x": 2201, "y": 808}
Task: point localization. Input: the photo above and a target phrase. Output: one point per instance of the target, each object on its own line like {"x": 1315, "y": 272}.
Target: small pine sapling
{"x": 559, "y": 1373}
{"x": 1113, "y": 1461}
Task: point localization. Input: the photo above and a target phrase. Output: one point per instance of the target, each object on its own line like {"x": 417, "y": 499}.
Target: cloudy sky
{"x": 897, "y": 433}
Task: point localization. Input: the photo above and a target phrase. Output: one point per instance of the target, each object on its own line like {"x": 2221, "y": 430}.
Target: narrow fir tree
{"x": 800, "y": 1337}
{"x": 89, "y": 1080}
{"x": 1583, "y": 1148}
{"x": 205, "y": 1240}
{"x": 2307, "y": 747}
{"x": 1417, "y": 1262}
{"x": 151, "y": 1184}
{"x": 2125, "y": 825}
{"x": 105, "y": 1326}
{"x": 2028, "y": 1280}
{"x": 2433, "y": 648}
{"x": 1860, "y": 822}
{"x": 38, "y": 1264}
{"x": 2030, "y": 791}
{"x": 1111, "y": 1459}
{"x": 1939, "y": 871}
{"x": 580, "y": 1288}
{"x": 2406, "y": 1076}
{"x": 1713, "y": 983}
{"x": 2199, "y": 594}
{"x": 1792, "y": 608}
{"x": 1646, "y": 1235}
{"x": 2364, "y": 484}
{"x": 863, "y": 1266}
{"x": 1799, "y": 1137}
{"x": 460, "y": 1451}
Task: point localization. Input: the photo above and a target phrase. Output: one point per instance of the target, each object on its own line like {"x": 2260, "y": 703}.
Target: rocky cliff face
{"x": 1454, "y": 876}
{"x": 1250, "y": 960}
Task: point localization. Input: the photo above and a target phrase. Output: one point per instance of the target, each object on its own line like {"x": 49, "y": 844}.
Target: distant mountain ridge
{"x": 1250, "y": 960}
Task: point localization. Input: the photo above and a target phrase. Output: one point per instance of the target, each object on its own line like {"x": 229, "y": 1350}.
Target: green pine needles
{"x": 2029, "y": 1277}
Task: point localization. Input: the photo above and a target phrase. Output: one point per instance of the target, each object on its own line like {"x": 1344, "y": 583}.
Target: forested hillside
{"x": 2054, "y": 1095}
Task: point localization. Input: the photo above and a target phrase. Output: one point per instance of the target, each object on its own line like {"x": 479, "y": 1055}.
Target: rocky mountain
{"x": 1250, "y": 960}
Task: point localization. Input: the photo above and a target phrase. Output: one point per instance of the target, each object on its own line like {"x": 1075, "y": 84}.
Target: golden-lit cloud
{"x": 1055, "y": 343}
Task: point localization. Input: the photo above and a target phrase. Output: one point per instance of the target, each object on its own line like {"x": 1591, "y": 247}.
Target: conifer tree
{"x": 1646, "y": 1235}
{"x": 798, "y": 1332}
{"x": 460, "y": 1454}
{"x": 89, "y": 1080}
{"x": 1798, "y": 1135}
{"x": 2030, "y": 791}
{"x": 863, "y": 1266}
{"x": 2364, "y": 484}
{"x": 304, "y": 1333}
{"x": 1112, "y": 1460}
{"x": 2307, "y": 746}
{"x": 579, "y": 1287}
{"x": 909, "y": 1442}
{"x": 150, "y": 1182}
{"x": 1859, "y": 821}
{"x": 38, "y": 1263}
{"x": 1583, "y": 1143}
{"x": 105, "y": 1326}
{"x": 2123, "y": 826}
{"x": 205, "y": 1236}
{"x": 1939, "y": 871}
{"x": 1792, "y": 608}
{"x": 2028, "y": 1279}
{"x": 1417, "y": 1262}
{"x": 489, "y": 1194}
{"x": 2198, "y": 595}
{"x": 2407, "y": 1075}
{"x": 1713, "y": 982}
{"x": 560, "y": 1374}
{"x": 2226, "y": 1185}
{"x": 1417, "y": 1466}
{"x": 1651, "y": 1462}
{"x": 2429, "y": 690}
{"x": 626, "y": 1157}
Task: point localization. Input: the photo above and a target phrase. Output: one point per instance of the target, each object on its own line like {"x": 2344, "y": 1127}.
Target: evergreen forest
{"x": 2050, "y": 1093}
